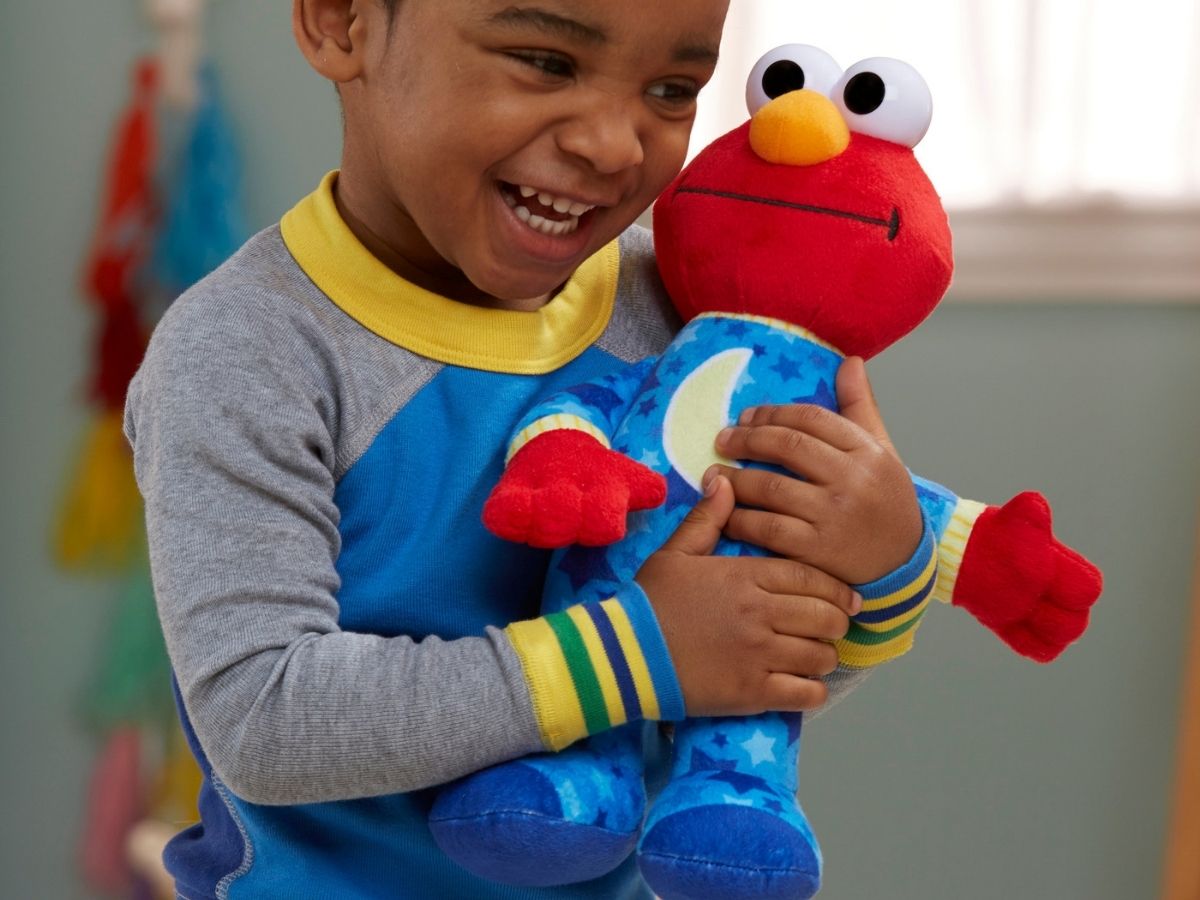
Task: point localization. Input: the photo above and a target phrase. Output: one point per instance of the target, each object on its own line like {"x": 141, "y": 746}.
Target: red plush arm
{"x": 1024, "y": 584}
{"x": 565, "y": 487}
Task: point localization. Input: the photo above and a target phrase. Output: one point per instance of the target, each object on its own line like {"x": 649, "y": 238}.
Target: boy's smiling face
{"x": 493, "y": 145}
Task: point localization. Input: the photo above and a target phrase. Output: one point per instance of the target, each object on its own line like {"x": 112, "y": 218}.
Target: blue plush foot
{"x": 731, "y": 852}
{"x": 547, "y": 819}
{"x": 727, "y": 826}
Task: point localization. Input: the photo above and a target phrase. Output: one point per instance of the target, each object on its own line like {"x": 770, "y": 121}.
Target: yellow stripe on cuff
{"x": 633, "y": 655}
{"x": 601, "y": 664}
{"x": 953, "y": 545}
{"x": 862, "y": 656}
{"x": 552, "y": 690}
{"x": 905, "y": 593}
{"x": 891, "y": 624}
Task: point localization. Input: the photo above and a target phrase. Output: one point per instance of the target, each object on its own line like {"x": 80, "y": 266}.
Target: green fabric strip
{"x": 860, "y": 635}
{"x": 587, "y": 685}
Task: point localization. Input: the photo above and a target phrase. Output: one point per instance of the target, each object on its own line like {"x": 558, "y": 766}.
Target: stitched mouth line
{"x": 892, "y": 224}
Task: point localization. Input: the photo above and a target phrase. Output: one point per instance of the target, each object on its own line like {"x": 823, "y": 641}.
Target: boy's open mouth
{"x": 542, "y": 211}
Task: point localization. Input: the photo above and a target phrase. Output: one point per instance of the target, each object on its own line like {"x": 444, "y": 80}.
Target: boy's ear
{"x": 331, "y": 35}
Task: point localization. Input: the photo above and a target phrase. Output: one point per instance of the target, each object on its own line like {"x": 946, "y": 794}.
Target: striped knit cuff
{"x": 892, "y": 609}
{"x": 954, "y": 545}
{"x": 595, "y": 666}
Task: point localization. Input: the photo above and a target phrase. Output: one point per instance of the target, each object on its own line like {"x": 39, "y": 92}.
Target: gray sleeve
{"x": 231, "y": 420}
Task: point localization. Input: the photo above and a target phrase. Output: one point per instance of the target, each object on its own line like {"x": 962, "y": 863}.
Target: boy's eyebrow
{"x": 550, "y": 22}
{"x": 687, "y": 51}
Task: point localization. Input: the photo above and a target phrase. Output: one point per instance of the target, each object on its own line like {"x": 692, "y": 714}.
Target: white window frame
{"x": 1085, "y": 253}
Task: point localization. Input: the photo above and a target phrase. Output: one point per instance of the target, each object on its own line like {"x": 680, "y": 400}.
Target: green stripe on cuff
{"x": 587, "y": 685}
{"x": 859, "y": 635}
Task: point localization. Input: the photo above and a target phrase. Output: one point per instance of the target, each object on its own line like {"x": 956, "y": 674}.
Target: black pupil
{"x": 864, "y": 93}
{"x": 781, "y": 78}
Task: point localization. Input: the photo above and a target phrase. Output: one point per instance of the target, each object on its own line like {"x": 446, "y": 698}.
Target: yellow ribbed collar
{"x": 496, "y": 340}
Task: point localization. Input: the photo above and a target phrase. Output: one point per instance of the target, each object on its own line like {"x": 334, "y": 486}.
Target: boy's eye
{"x": 675, "y": 92}
{"x": 553, "y": 65}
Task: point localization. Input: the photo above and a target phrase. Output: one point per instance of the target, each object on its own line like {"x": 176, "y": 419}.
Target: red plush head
{"x": 816, "y": 211}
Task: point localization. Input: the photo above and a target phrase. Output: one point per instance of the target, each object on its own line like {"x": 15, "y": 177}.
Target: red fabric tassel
{"x": 115, "y": 805}
{"x": 120, "y": 345}
{"x": 123, "y": 236}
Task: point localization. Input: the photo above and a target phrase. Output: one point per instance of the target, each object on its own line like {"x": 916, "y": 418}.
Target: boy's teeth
{"x": 558, "y": 204}
{"x": 561, "y": 205}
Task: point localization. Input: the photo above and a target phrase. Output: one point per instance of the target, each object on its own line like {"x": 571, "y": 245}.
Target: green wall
{"x": 958, "y": 772}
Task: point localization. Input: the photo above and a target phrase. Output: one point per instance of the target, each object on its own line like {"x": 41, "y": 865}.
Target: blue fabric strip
{"x": 620, "y": 665}
{"x": 654, "y": 649}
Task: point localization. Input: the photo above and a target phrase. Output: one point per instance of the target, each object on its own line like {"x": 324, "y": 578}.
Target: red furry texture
{"x": 842, "y": 272}
{"x": 565, "y": 487}
{"x": 1022, "y": 583}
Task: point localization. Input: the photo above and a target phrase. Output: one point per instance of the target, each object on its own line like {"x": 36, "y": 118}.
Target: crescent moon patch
{"x": 698, "y": 410}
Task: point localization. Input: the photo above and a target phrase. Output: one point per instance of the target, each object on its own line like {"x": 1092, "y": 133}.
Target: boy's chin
{"x": 525, "y": 291}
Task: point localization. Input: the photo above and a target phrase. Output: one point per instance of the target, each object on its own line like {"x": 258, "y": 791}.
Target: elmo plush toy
{"x": 808, "y": 234}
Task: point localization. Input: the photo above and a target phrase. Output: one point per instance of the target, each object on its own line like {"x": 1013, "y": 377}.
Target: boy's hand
{"x": 854, "y": 514}
{"x": 746, "y": 634}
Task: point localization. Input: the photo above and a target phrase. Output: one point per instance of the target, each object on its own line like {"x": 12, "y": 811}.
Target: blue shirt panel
{"x": 416, "y": 560}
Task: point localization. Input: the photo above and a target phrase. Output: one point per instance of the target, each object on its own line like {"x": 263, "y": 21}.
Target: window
{"x": 1065, "y": 139}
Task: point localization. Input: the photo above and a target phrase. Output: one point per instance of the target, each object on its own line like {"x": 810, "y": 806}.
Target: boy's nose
{"x": 605, "y": 135}
{"x": 799, "y": 128}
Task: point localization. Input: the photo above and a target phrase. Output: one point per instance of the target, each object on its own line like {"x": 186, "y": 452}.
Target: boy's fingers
{"x": 821, "y": 423}
{"x": 773, "y": 491}
{"x": 781, "y": 445}
{"x": 809, "y": 618}
{"x": 782, "y": 534}
{"x": 697, "y": 535}
{"x": 793, "y": 579}
{"x": 857, "y": 400}
{"x": 790, "y": 693}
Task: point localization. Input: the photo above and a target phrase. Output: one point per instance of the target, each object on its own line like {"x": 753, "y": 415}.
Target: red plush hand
{"x": 1021, "y": 582}
{"x": 565, "y": 487}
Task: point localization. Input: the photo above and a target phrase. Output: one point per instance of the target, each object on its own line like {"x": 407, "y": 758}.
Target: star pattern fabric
{"x": 781, "y": 364}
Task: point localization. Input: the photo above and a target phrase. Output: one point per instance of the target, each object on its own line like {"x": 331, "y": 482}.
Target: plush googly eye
{"x": 790, "y": 68}
{"x": 885, "y": 98}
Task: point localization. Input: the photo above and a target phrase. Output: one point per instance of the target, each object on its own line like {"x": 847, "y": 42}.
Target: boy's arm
{"x": 232, "y": 433}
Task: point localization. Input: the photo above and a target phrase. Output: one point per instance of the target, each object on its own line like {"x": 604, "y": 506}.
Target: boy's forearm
{"x": 340, "y": 715}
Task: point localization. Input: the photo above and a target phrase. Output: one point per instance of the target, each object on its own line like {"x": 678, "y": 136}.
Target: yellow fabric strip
{"x": 953, "y": 545}
{"x": 494, "y": 340}
{"x": 860, "y": 656}
{"x": 551, "y": 689}
{"x": 601, "y": 664}
{"x": 889, "y": 624}
{"x": 633, "y": 655}
{"x": 904, "y": 593}
{"x": 557, "y": 422}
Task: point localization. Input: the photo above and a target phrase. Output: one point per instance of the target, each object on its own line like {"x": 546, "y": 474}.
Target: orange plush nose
{"x": 799, "y": 128}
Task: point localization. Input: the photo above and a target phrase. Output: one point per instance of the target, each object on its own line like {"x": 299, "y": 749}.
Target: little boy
{"x": 317, "y": 424}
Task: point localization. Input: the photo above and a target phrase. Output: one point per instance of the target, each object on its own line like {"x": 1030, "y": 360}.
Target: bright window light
{"x": 1053, "y": 103}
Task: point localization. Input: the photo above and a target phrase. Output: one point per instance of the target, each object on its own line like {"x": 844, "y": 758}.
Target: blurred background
{"x": 1066, "y": 358}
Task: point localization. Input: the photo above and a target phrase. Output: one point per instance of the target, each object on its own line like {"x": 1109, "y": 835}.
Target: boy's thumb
{"x": 697, "y": 535}
{"x": 857, "y": 400}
